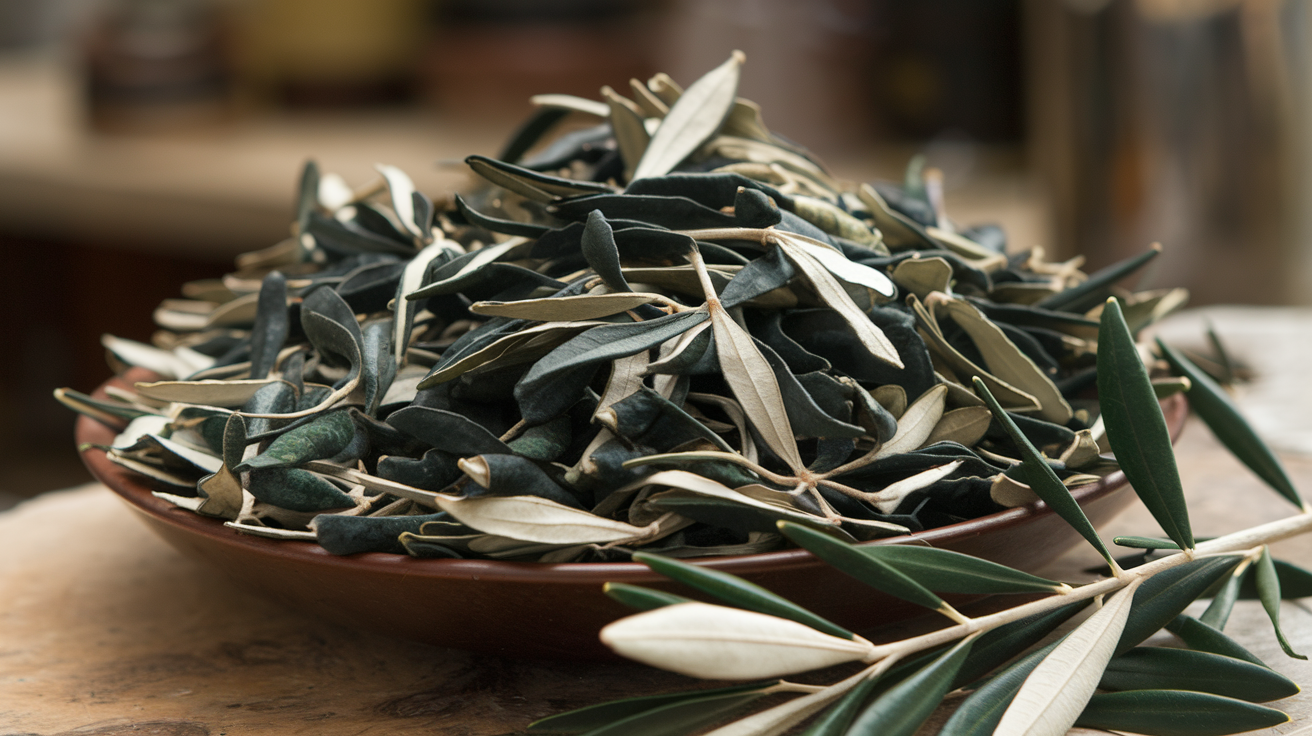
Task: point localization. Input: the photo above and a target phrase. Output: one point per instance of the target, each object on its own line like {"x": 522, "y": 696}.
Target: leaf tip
{"x": 739, "y": 57}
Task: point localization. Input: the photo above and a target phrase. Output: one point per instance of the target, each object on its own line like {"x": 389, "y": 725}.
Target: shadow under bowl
{"x": 554, "y": 611}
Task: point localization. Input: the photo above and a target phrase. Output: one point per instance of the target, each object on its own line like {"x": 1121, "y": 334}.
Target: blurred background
{"x": 144, "y": 143}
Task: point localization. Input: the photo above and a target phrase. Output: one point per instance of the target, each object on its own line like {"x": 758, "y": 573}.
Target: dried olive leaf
{"x": 319, "y": 439}
{"x": 537, "y": 520}
{"x": 753, "y": 383}
{"x": 1012, "y": 397}
{"x": 600, "y": 251}
{"x": 403, "y": 319}
{"x": 504, "y": 350}
{"x": 222, "y": 490}
{"x": 447, "y": 430}
{"x": 1004, "y": 359}
{"x": 207, "y": 393}
{"x": 402, "y": 191}
{"x": 692, "y": 119}
{"x": 295, "y": 489}
{"x": 567, "y": 308}
{"x": 917, "y": 423}
{"x": 570, "y": 102}
{"x": 626, "y": 119}
{"x": 271, "y": 324}
{"x": 965, "y": 426}
{"x": 651, "y": 105}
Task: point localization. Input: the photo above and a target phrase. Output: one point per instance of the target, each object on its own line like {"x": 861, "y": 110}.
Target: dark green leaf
{"x": 996, "y": 647}
{"x": 1268, "y": 591}
{"x": 644, "y": 599}
{"x": 981, "y": 712}
{"x": 307, "y": 195}
{"x": 1201, "y": 637}
{"x": 1215, "y": 408}
{"x": 1145, "y": 543}
{"x": 1136, "y": 428}
{"x": 271, "y": 324}
{"x": 869, "y": 569}
{"x": 656, "y": 715}
{"x": 327, "y": 435}
{"x": 512, "y": 475}
{"x": 952, "y": 572}
{"x": 1295, "y": 582}
{"x": 349, "y": 535}
{"x": 1162, "y": 668}
{"x": 1164, "y": 595}
{"x": 835, "y": 721}
{"x": 908, "y": 704}
{"x": 601, "y": 252}
{"x": 1085, "y": 295}
{"x": 1218, "y": 611}
{"x": 738, "y": 592}
{"x": 447, "y": 430}
{"x": 498, "y": 225}
{"x": 761, "y": 276}
{"x": 1176, "y": 713}
{"x": 1040, "y": 477}
{"x": 530, "y": 183}
{"x": 295, "y": 489}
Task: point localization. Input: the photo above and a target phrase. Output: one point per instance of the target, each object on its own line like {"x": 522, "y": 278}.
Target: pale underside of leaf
{"x": 534, "y": 519}
{"x": 717, "y": 642}
{"x": 205, "y": 393}
{"x": 917, "y": 423}
{"x": 1057, "y": 690}
{"x": 692, "y": 119}
{"x": 567, "y": 308}
{"x": 753, "y": 383}
{"x": 571, "y": 102}
{"x": 411, "y": 278}
{"x": 402, "y": 190}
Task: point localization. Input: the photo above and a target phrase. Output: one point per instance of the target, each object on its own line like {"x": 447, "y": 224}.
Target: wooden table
{"x": 105, "y": 630}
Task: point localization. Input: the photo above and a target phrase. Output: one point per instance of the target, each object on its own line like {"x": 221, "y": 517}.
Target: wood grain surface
{"x": 104, "y": 630}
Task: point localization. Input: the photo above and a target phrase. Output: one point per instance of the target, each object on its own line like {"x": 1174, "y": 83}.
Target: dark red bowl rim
{"x": 123, "y": 482}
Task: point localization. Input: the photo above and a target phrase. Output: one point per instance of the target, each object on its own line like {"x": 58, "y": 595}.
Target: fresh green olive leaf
{"x": 1215, "y": 408}
{"x": 736, "y": 591}
{"x": 1295, "y": 582}
{"x": 1218, "y": 611}
{"x": 998, "y": 646}
{"x": 676, "y": 719}
{"x": 836, "y": 720}
{"x": 904, "y": 707}
{"x": 644, "y": 599}
{"x": 980, "y": 713}
{"x": 1145, "y": 543}
{"x": 715, "y": 642}
{"x": 604, "y": 714}
{"x": 1201, "y": 637}
{"x": 692, "y": 119}
{"x": 1176, "y": 713}
{"x": 869, "y": 569}
{"x": 1163, "y": 668}
{"x": 783, "y": 717}
{"x": 953, "y": 572}
{"x": 1163, "y": 596}
{"x": 1039, "y": 476}
{"x": 1057, "y": 689}
{"x": 1092, "y": 290}
{"x": 1136, "y": 428}
{"x": 1268, "y": 592}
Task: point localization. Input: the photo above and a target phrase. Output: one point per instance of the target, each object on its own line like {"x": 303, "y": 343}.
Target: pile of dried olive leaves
{"x": 666, "y": 331}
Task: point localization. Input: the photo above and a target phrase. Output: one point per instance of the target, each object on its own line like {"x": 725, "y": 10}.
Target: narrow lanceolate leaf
{"x": 320, "y": 439}
{"x": 781, "y": 718}
{"x": 692, "y": 119}
{"x": 980, "y": 713}
{"x": 946, "y": 571}
{"x": 917, "y": 423}
{"x": 1136, "y": 428}
{"x": 403, "y": 321}
{"x": 848, "y": 270}
{"x": 835, "y": 721}
{"x": 1163, "y": 596}
{"x": 868, "y": 569}
{"x": 534, "y": 519}
{"x": 643, "y": 599}
{"x": 1214, "y": 406}
{"x": 566, "y": 308}
{"x": 715, "y": 642}
{"x": 601, "y": 252}
{"x": 1145, "y": 543}
{"x": 1041, "y": 478}
{"x": 1057, "y": 690}
{"x": 681, "y": 717}
{"x": 1203, "y": 638}
{"x": 833, "y": 294}
{"x": 626, "y": 121}
{"x": 1268, "y": 591}
{"x": 1218, "y": 611}
{"x": 753, "y": 383}
{"x": 908, "y": 704}
{"x": 205, "y": 393}
{"x": 112, "y": 413}
{"x": 604, "y": 714}
{"x": 702, "y": 486}
{"x": 1164, "y": 668}
{"x": 1176, "y": 713}
{"x": 738, "y": 592}
{"x": 402, "y": 190}
{"x": 1084, "y": 295}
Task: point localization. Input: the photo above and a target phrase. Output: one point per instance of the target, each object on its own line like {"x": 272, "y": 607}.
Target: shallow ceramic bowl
{"x": 526, "y": 609}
